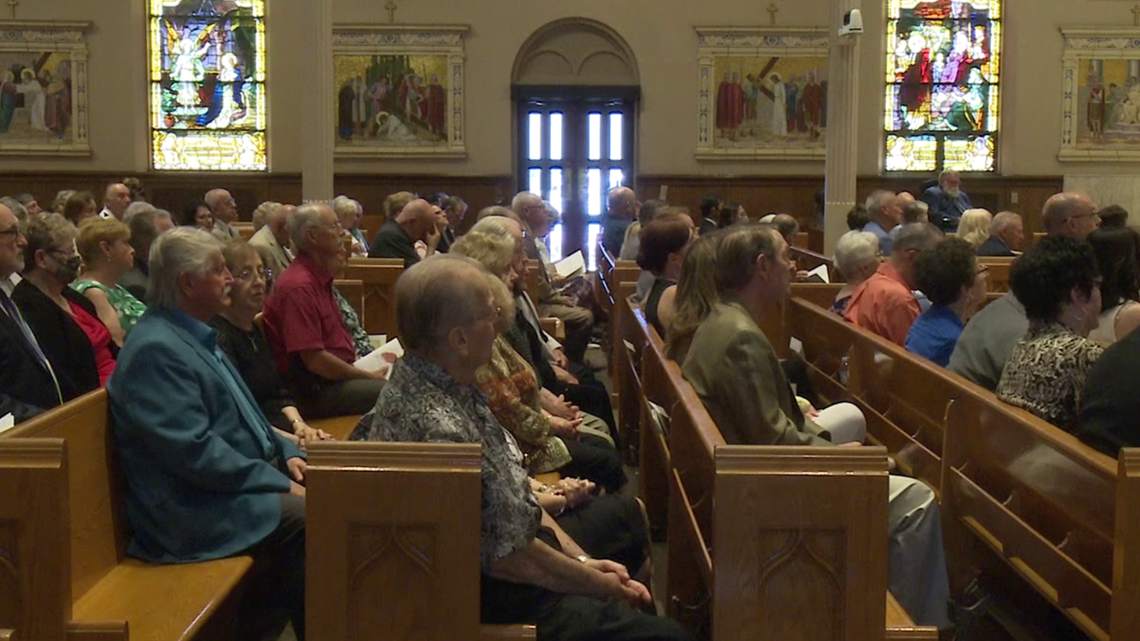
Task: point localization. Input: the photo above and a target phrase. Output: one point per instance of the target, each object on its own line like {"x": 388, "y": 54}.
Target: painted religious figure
{"x": 391, "y": 100}
{"x": 1108, "y": 99}
{"x": 35, "y": 97}
{"x": 770, "y": 100}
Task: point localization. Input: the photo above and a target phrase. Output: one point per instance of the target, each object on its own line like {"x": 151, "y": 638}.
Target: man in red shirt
{"x": 885, "y": 302}
{"x": 303, "y": 325}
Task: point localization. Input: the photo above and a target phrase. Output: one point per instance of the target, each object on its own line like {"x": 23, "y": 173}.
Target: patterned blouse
{"x": 422, "y": 403}
{"x": 129, "y": 308}
{"x": 1046, "y": 373}
{"x": 360, "y": 341}
{"x": 512, "y": 392}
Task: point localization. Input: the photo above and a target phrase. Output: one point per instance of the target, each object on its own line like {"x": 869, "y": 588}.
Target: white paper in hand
{"x": 572, "y": 265}
{"x": 7, "y": 422}
{"x": 821, "y": 271}
{"x": 377, "y": 361}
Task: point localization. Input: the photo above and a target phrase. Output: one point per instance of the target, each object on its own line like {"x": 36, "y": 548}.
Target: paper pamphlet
{"x": 7, "y": 422}
{"x": 820, "y": 271}
{"x": 572, "y": 265}
{"x": 376, "y": 360}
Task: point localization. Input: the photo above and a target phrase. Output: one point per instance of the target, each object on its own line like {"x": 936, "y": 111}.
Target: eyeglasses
{"x": 246, "y": 275}
{"x": 14, "y": 232}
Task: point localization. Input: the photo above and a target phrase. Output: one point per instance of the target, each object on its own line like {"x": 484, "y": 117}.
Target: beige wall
{"x": 660, "y": 33}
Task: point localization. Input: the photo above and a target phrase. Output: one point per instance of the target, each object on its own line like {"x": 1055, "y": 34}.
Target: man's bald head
{"x": 529, "y": 207}
{"x": 418, "y": 218}
{"x": 116, "y": 198}
{"x": 622, "y": 202}
{"x": 1071, "y": 214}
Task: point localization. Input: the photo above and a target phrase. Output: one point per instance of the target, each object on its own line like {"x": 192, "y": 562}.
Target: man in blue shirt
{"x": 947, "y": 201}
{"x": 885, "y": 212}
{"x": 206, "y": 475}
{"x": 951, "y": 278}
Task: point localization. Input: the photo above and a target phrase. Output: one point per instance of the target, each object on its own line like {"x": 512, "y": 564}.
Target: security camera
{"x": 852, "y": 24}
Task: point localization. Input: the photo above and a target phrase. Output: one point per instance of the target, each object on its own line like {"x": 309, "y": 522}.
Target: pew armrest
{"x": 555, "y": 327}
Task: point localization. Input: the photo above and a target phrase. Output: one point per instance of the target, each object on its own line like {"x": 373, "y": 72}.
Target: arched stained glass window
{"x": 943, "y": 61}
{"x": 207, "y": 84}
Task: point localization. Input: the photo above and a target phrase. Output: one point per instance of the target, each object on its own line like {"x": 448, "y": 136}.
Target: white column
{"x": 842, "y": 135}
{"x": 318, "y": 135}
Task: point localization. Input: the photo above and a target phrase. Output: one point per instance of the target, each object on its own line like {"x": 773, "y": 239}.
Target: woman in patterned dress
{"x": 104, "y": 245}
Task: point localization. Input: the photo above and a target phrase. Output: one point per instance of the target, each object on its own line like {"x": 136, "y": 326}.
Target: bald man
{"x": 1071, "y": 214}
{"x": 419, "y": 221}
{"x": 116, "y": 199}
{"x": 222, "y": 206}
{"x": 621, "y": 211}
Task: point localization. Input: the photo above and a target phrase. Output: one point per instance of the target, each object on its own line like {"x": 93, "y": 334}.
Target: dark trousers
{"x": 339, "y": 398}
{"x": 609, "y": 527}
{"x": 280, "y": 559}
{"x": 594, "y": 459}
{"x": 593, "y": 398}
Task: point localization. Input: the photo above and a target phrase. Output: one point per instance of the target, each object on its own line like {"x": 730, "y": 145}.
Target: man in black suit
{"x": 27, "y": 384}
{"x": 1006, "y": 235}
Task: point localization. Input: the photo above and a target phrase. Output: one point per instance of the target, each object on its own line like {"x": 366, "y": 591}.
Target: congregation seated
{"x": 28, "y": 387}
{"x": 116, "y": 199}
{"x": 533, "y": 572}
{"x": 145, "y": 223}
{"x": 632, "y": 241}
{"x": 272, "y": 239}
{"x": 454, "y": 209}
{"x": 64, "y": 322}
{"x": 1110, "y": 402}
{"x": 60, "y": 201}
{"x": 1110, "y": 216}
{"x": 664, "y": 244}
{"x": 950, "y": 276}
{"x": 351, "y": 214}
{"x": 857, "y": 256}
{"x": 1057, "y": 282}
{"x": 947, "y": 200}
{"x": 622, "y": 210}
{"x": 206, "y": 477}
{"x": 1117, "y": 251}
{"x": 361, "y": 342}
{"x": 28, "y": 202}
{"x": 224, "y": 212}
{"x": 786, "y": 225}
{"x": 883, "y": 215}
{"x": 1007, "y": 233}
{"x": 731, "y": 214}
{"x": 79, "y": 206}
{"x": 857, "y": 218}
{"x": 105, "y": 248}
{"x": 974, "y": 226}
{"x": 417, "y": 223}
{"x": 885, "y": 303}
{"x": 197, "y": 215}
{"x": 915, "y": 212}
{"x": 733, "y": 368}
{"x": 311, "y": 344}
{"x": 1071, "y": 214}
{"x": 553, "y": 436}
{"x": 710, "y": 207}
{"x": 245, "y": 344}
{"x": 578, "y": 288}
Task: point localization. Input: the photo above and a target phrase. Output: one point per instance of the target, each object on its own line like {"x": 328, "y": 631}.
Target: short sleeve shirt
{"x": 884, "y": 305}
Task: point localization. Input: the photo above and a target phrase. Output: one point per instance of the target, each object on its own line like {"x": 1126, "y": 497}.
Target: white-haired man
{"x": 273, "y": 239}
{"x": 947, "y": 201}
{"x": 312, "y": 345}
{"x": 1007, "y": 232}
{"x": 206, "y": 475}
{"x": 116, "y": 199}
{"x": 885, "y": 214}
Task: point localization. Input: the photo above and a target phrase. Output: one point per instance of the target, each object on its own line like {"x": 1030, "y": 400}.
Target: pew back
{"x": 353, "y": 292}
{"x": 379, "y": 276}
{"x": 997, "y": 278}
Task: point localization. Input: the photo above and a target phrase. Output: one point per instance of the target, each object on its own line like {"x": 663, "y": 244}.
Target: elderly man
{"x": 733, "y": 368}
{"x": 27, "y": 384}
{"x": 222, "y": 206}
{"x": 29, "y": 203}
{"x": 1071, "y": 214}
{"x": 312, "y": 345}
{"x": 273, "y": 241}
{"x": 579, "y": 321}
{"x": 885, "y": 303}
{"x": 533, "y": 572}
{"x": 947, "y": 201}
{"x": 418, "y": 222}
{"x": 884, "y": 214}
{"x": 206, "y": 475}
{"x": 116, "y": 199}
{"x": 146, "y": 224}
{"x": 1006, "y": 235}
{"x": 621, "y": 210}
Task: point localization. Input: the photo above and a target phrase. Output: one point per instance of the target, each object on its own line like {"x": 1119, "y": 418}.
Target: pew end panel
{"x": 379, "y": 278}
{"x": 1126, "y": 564}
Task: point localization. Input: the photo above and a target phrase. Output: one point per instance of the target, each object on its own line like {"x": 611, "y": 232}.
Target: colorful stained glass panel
{"x": 207, "y": 85}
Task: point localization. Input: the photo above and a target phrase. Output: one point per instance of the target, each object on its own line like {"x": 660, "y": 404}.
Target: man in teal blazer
{"x": 206, "y": 475}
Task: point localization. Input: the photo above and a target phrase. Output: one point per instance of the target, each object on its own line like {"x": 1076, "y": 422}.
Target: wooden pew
{"x": 997, "y": 279}
{"x": 379, "y": 276}
{"x": 64, "y": 490}
{"x": 395, "y": 563}
{"x": 808, "y": 260}
{"x": 245, "y": 230}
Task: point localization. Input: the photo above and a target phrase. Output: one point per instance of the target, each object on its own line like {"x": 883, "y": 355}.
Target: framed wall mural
{"x": 207, "y": 85}
{"x": 43, "y": 89}
{"x": 762, "y": 93}
{"x": 399, "y": 91}
{"x": 1100, "y": 85}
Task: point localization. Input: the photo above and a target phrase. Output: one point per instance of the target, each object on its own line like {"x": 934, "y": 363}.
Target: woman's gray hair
{"x": 136, "y": 208}
{"x": 182, "y": 250}
{"x": 497, "y": 226}
{"x": 301, "y": 220}
{"x": 344, "y": 206}
{"x": 854, "y": 250}
{"x": 435, "y": 295}
{"x": 264, "y": 212}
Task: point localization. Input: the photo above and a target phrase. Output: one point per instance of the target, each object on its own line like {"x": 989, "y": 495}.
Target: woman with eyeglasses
{"x": 951, "y": 278}
{"x": 68, "y": 328}
{"x": 243, "y": 341}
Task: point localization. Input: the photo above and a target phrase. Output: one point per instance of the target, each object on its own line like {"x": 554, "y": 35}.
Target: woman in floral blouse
{"x": 104, "y": 245}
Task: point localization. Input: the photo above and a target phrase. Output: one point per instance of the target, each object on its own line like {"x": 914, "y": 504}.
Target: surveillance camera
{"x": 852, "y": 24}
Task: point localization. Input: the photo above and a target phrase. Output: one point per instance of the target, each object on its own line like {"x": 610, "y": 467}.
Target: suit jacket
{"x": 276, "y": 259}
{"x": 988, "y": 340}
{"x": 733, "y": 368}
{"x": 994, "y": 246}
{"x": 26, "y": 387}
{"x": 393, "y": 242}
{"x": 62, "y": 340}
{"x": 202, "y": 483}
{"x": 945, "y": 212}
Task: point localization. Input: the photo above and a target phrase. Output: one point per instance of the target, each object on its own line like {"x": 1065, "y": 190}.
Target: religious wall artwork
{"x": 943, "y": 85}
{"x": 43, "y": 89}
{"x": 399, "y": 91}
{"x": 207, "y": 85}
{"x": 762, "y": 93}
{"x": 1100, "y": 83}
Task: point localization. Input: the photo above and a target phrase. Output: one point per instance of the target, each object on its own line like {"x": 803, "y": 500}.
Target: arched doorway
{"x": 575, "y": 83}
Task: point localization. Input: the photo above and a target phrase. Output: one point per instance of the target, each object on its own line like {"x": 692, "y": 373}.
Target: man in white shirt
{"x": 116, "y": 199}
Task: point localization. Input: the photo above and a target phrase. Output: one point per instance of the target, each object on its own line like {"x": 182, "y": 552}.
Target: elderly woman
{"x": 1117, "y": 252}
{"x": 68, "y": 329}
{"x": 350, "y": 214}
{"x": 242, "y": 340}
{"x": 950, "y": 277}
{"x": 857, "y": 256}
{"x": 974, "y": 227}
{"x": 546, "y": 428}
{"x": 107, "y": 255}
{"x": 664, "y": 244}
{"x": 79, "y": 206}
{"x": 1058, "y": 283}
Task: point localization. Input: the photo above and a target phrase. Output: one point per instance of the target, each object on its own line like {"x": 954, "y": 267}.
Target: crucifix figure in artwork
{"x": 1135, "y": 15}
{"x": 13, "y": 4}
{"x": 391, "y": 7}
{"x": 772, "y": 11}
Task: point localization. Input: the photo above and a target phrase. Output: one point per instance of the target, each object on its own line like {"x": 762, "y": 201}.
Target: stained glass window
{"x": 207, "y": 84}
{"x": 943, "y": 72}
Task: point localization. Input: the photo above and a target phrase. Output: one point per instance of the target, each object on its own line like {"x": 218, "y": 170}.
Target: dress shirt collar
{"x": 207, "y": 336}
{"x": 323, "y": 276}
{"x": 436, "y": 376}
{"x": 943, "y": 314}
